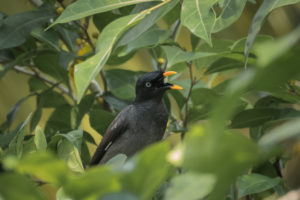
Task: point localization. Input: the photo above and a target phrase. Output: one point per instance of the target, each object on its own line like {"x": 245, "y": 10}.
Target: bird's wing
{"x": 117, "y": 127}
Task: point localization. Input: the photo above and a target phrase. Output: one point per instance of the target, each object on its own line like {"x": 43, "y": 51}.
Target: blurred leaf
{"x": 118, "y": 196}
{"x": 270, "y": 50}
{"x": 65, "y": 59}
{"x": 6, "y": 55}
{"x": 48, "y": 63}
{"x": 44, "y": 166}
{"x": 176, "y": 55}
{"x": 257, "y": 22}
{"x": 231, "y": 11}
{"x": 82, "y": 8}
{"x": 86, "y": 186}
{"x": 69, "y": 152}
{"x": 117, "y": 162}
{"x": 178, "y": 96}
{"x": 204, "y": 96}
{"x": 16, "y": 145}
{"x": 152, "y": 37}
{"x": 100, "y": 120}
{"x": 226, "y": 156}
{"x": 50, "y": 37}
{"x": 18, "y": 187}
{"x": 36, "y": 117}
{"x": 51, "y": 99}
{"x": 122, "y": 82}
{"x": 5, "y": 139}
{"x": 286, "y": 131}
{"x": 16, "y": 28}
{"x": 86, "y": 71}
{"x": 239, "y": 45}
{"x": 258, "y": 116}
{"x": 85, "y": 105}
{"x": 29, "y": 146}
{"x": 223, "y": 64}
{"x": 40, "y": 139}
{"x": 61, "y": 195}
{"x": 147, "y": 22}
{"x": 255, "y": 183}
{"x": 199, "y": 17}
{"x": 268, "y": 101}
{"x": 148, "y": 167}
{"x": 190, "y": 186}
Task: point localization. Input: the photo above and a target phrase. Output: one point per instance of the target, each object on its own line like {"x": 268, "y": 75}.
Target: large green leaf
{"x": 84, "y": 8}
{"x": 86, "y": 71}
{"x": 199, "y": 17}
{"x": 93, "y": 184}
{"x": 146, "y": 23}
{"x": 18, "y": 187}
{"x": 231, "y": 11}
{"x": 176, "y": 55}
{"x": 190, "y": 186}
{"x": 257, "y": 22}
{"x": 149, "y": 167}
{"x": 255, "y": 183}
{"x": 16, "y": 28}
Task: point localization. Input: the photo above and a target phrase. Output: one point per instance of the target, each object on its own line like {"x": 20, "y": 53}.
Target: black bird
{"x": 139, "y": 124}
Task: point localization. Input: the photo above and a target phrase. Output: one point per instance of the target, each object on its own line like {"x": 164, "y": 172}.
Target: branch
{"x": 37, "y": 74}
{"x": 95, "y": 87}
{"x": 187, "y": 98}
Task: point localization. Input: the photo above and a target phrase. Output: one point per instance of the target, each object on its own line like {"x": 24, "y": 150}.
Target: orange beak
{"x": 169, "y": 73}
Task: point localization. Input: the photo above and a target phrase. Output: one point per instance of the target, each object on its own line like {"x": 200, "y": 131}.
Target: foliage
{"x": 213, "y": 159}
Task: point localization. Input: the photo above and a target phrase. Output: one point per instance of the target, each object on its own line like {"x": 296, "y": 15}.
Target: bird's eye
{"x": 148, "y": 84}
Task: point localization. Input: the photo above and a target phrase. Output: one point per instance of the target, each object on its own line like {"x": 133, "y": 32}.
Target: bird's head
{"x": 152, "y": 86}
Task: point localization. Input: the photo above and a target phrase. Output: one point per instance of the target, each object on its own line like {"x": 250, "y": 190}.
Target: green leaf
{"x": 231, "y": 11}
{"x": 176, "y": 55}
{"x": 68, "y": 35}
{"x": 224, "y": 64}
{"x": 45, "y": 167}
{"x": 90, "y": 186}
{"x": 258, "y": 116}
{"x": 74, "y": 137}
{"x": 48, "y": 63}
{"x": 270, "y": 50}
{"x": 286, "y": 131}
{"x": 204, "y": 96}
{"x": 100, "y": 120}
{"x": 36, "y": 84}
{"x": 40, "y": 139}
{"x": 16, "y": 28}
{"x": 152, "y": 37}
{"x": 12, "y": 182}
{"x": 83, "y": 8}
{"x": 86, "y": 71}
{"x": 255, "y": 183}
{"x": 148, "y": 167}
{"x": 12, "y": 113}
{"x": 199, "y": 17}
{"x": 146, "y": 23}
{"x": 50, "y": 37}
{"x": 190, "y": 186}
{"x": 266, "y": 7}
{"x": 5, "y": 139}
{"x": 69, "y": 152}
{"x": 122, "y": 82}
{"x": 16, "y": 145}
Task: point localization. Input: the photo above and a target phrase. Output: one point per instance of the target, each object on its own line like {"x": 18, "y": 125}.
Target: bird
{"x": 139, "y": 124}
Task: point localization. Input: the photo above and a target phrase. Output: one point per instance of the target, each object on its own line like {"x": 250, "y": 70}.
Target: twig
{"x": 187, "y": 98}
{"x": 95, "y": 87}
{"x": 37, "y": 74}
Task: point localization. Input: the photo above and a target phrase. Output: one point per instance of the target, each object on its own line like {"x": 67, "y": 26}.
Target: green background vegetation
{"x": 68, "y": 67}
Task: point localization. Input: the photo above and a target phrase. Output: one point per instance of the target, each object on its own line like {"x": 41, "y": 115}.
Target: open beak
{"x": 173, "y": 87}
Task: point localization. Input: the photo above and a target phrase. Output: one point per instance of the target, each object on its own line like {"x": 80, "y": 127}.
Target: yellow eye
{"x": 148, "y": 84}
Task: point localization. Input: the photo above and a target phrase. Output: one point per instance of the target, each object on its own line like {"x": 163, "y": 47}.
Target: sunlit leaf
{"x": 40, "y": 139}
{"x": 83, "y": 8}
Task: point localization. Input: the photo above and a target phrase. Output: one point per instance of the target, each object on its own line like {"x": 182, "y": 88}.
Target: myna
{"x": 139, "y": 124}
